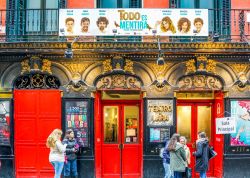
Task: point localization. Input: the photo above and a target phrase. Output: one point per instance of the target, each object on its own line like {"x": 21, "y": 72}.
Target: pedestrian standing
{"x": 166, "y": 162}
{"x": 57, "y": 151}
{"x": 183, "y": 141}
{"x": 177, "y": 156}
{"x": 202, "y": 154}
{"x": 70, "y": 166}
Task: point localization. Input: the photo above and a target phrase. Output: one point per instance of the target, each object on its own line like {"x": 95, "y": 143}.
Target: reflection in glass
{"x": 184, "y": 121}
{"x": 110, "y": 124}
{"x": 4, "y": 123}
{"x": 131, "y": 116}
{"x": 204, "y": 120}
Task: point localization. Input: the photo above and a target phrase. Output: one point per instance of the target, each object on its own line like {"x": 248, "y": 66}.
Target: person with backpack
{"x": 72, "y": 148}
{"x": 166, "y": 161}
{"x": 202, "y": 154}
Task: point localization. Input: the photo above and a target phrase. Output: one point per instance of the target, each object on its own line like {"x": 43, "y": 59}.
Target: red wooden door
{"x": 121, "y": 143}
{"x": 36, "y": 114}
{"x": 192, "y": 118}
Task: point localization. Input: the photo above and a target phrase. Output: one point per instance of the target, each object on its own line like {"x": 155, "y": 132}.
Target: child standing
{"x": 71, "y": 157}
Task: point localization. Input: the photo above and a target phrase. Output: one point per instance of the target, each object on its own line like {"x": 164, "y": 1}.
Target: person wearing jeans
{"x": 202, "y": 154}
{"x": 166, "y": 162}
{"x": 70, "y": 166}
{"x": 57, "y": 151}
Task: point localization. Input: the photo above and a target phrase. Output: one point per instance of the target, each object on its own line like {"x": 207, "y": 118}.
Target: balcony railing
{"x": 42, "y": 25}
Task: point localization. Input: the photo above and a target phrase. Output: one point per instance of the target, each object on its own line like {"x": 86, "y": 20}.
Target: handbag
{"x": 188, "y": 172}
{"x": 211, "y": 153}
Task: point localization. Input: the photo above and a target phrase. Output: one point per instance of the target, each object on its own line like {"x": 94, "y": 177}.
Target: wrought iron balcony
{"x": 35, "y": 25}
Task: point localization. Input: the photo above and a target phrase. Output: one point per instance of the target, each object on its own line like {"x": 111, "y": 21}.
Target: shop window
{"x": 5, "y": 123}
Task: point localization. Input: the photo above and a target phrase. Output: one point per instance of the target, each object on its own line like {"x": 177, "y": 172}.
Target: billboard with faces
{"x": 136, "y": 22}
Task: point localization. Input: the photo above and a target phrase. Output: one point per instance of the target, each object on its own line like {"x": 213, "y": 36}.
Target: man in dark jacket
{"x": 201, "y": 154}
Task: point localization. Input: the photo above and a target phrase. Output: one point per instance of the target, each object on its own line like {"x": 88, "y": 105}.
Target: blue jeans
{"x": 203, "y": 175}
{"x": 70, "y": 166}
{"x": 168, "y": 172}
{"x": 58, "y": 166}
{"x": 178, "y": 174}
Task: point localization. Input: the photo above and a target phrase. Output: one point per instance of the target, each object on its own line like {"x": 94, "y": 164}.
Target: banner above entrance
{"x": 139, "y": 22}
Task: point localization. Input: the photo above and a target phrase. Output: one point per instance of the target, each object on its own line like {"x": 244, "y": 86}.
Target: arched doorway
{"x": 37, "y": 111}
{"x": 118, "y": 125}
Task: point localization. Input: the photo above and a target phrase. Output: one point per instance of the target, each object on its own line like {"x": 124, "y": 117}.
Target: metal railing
{"x": 42, "y": 25}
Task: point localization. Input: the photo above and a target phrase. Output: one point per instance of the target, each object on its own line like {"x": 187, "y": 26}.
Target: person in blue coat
{"x": 202, "y": 154}
{"x": 166, "y": 161}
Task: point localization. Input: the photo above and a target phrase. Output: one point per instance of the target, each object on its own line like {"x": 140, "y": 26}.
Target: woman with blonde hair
{"x": 183, "y": 141}
{"x": 57, "y": 151}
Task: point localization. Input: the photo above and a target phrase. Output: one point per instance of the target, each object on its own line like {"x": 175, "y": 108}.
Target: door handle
{"x": 193, "y": 145}
{"x": 120, "y": 146}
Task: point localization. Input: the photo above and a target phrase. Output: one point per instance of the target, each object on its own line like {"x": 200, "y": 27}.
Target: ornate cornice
{"x": 219, "y": 47}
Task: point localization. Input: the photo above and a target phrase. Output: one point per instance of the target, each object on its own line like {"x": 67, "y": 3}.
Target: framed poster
{"x": 77, "y": 113}
{"x": 159, "y": 134}
{"x": 160, "y": 112}
{"x": 240, "y": 110}
{"x": 4, "y": 122}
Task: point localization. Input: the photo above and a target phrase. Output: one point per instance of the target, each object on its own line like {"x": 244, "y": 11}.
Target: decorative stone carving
{"x": 36, "y": 81}
{"x": 46, "y": 66}
{"x": 118, "y": 81}
{"x": 25, "y": 66}
{"x": 200, "y": 82}
{"x": 202, "y": 64}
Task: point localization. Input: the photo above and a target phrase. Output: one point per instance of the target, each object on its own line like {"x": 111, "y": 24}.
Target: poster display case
{"x": 5, "y": 123}
{"x": 77, "y": 118}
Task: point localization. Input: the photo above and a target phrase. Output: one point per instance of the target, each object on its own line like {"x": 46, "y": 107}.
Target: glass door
{"x": 191, "y": 119}
{"x": 121, "y": 144}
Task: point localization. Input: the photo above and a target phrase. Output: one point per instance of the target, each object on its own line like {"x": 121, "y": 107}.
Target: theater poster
{"x": 133, "y": 22}
{"x": 240, "y": 109}
{"x": 4, "y": 122}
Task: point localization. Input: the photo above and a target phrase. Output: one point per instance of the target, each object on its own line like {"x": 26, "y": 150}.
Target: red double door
{"x": 36, "y": 114}
{"x": 192, "y": 118}
{"x": 121, "y": 144}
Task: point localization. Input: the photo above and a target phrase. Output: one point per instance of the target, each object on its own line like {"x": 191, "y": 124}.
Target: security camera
{"x": 154, "y": 31}
{"x": 160, "y": 61}
{"x": 68, "y": 53}
{"x": 114, "y": 31}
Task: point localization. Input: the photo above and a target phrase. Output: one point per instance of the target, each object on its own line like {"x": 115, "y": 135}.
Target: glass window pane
{"x": 110, "y": 115}
{"x": 187, "y": 4}
{"x": 184, "y": 121}
{"x": 204, "y": 120}
{"x": 51, "y": 20}
{"x": 108, "y": 4}
{"x": 131, "y": 116}
{"x": 33, "y": 16}
{"x": 51, "y": 4}
{"x": 125, "y": 3}
{"x": 205, "y": 4}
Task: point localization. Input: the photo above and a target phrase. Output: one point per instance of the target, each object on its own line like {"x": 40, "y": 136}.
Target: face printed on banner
{"x": 69, "y": 23}
{"x": 198, "y": 23}
{"x": 102, "y": 24}
{"x": 85, "y": 25}
{"x": 184, "y": 25}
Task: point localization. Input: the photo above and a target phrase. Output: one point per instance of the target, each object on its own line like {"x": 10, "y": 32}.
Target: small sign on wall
{"x": 225, "y": 125}
{"x": 248, "y": 17}
{"x": 160, "y": 113}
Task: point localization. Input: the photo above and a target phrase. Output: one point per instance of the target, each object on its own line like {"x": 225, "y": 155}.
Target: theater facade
{"x": 122, "y": 105}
